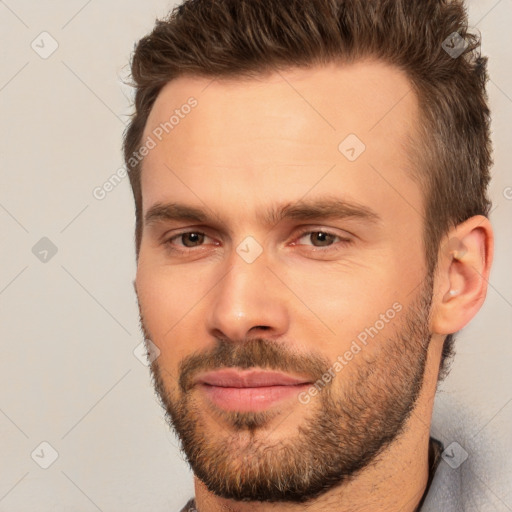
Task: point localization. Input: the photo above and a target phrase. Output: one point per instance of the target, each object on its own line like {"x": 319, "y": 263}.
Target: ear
{"x": 462, "y": 275}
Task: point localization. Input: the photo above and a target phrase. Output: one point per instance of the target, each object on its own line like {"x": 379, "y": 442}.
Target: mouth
{"x": 252, "y": 390}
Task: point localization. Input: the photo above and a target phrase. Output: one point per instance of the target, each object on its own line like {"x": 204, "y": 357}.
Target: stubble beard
{"x": 341, "y": 432}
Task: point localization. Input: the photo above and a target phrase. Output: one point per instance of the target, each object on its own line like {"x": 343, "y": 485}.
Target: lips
{"x": 231, "y": 378}
{"x": 250, "y": 390}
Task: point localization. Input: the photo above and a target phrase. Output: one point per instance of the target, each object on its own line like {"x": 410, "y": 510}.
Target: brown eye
{"x": 321, "y": 239}
{"x": 192, "y": 239}
{"x": 318, "y": 239}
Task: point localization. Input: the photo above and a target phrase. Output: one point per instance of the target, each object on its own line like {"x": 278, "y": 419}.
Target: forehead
{"x": 278, "y": 135}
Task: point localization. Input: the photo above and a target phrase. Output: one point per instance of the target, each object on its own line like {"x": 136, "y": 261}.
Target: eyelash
{"x": 342, "y": 241}
{"x": 168, "y": 241}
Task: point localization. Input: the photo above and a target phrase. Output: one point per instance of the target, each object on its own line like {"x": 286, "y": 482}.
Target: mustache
{"x": 251, "y": 353}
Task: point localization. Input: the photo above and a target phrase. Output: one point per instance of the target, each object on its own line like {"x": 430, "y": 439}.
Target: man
{"x": 311, "y": 229}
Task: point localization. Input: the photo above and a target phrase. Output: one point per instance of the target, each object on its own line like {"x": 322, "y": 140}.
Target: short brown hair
{"x": 248, "y": 38}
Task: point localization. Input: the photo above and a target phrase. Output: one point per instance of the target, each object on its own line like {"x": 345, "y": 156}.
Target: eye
{"x": 189, "y": 239}
{"x": 320, "y": 238}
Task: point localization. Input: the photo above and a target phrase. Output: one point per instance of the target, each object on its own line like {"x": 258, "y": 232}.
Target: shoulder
{"x": 469, "y": 474}
{"x": 190, "y": 506}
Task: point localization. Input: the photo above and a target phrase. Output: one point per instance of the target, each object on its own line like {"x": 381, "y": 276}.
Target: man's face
{"x": 303, "y": 256}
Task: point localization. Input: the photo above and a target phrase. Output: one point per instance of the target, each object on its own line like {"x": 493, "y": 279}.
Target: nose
{"x": 247, "y": 302}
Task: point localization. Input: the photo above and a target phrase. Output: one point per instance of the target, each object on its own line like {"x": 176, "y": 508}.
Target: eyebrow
{"x": 323, "y": 208}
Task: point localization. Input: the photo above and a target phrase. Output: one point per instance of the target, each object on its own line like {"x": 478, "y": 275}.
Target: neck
{"x": 395, "y": 481}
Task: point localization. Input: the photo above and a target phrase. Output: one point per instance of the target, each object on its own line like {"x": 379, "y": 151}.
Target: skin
{"x": 251, "y": 144}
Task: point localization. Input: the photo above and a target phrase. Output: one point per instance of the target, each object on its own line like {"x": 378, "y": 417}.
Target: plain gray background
{"x": 69, "y": 376}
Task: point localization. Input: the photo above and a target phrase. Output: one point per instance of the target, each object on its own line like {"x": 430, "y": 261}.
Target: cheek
{"x": 342, "y": 300}
{"x": 169, "y": 300}
{"x": 168, "y": 292}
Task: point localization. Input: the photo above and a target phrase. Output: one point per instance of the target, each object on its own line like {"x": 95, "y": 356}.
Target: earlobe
{"x": 463, "y": 274}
